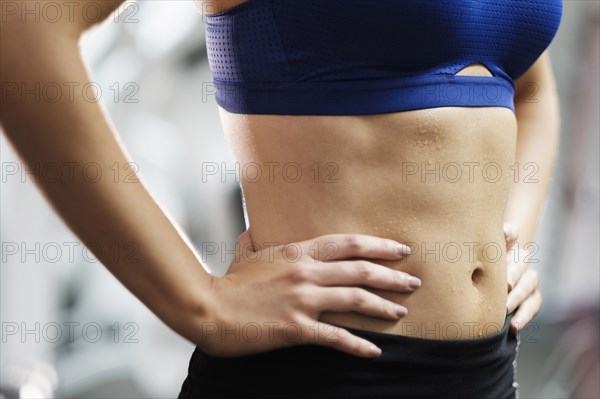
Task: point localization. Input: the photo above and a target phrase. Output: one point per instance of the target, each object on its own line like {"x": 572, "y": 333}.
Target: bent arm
{"x": 538, "y": 124}
{"x": 166, "y": 274}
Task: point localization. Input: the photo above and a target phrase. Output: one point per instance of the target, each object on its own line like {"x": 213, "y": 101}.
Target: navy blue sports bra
{"x": 352, "y": 57}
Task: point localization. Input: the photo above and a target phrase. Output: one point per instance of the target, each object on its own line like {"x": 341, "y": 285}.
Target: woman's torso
{"x": 436, "y": 178}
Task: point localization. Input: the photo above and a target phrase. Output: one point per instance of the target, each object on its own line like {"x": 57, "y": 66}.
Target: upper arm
{"x": 38, "y": 35}
{"x": 536, "y": 88}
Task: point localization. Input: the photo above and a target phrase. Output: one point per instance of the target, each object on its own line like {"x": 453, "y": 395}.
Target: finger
{"x": 362, "y": 272}
{"x": 527, "y": 285}
{"x": 341, "y": 339}
{"x": 355, "y": 299}
{"x": 343, "y": 246}
{"x": 515, "y": 270}
{"x": 511, "y": 233}
{"x": 526, "y": 312}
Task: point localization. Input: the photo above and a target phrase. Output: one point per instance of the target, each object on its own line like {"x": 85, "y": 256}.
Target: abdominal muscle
{"x": 437, "y": 179}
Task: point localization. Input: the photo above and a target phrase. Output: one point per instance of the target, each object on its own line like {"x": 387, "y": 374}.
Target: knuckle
{"x": 306, "y": 335}
{"x": 300, "y": 274}
{"x": 355, "y": 346}
{"x": 358, "y": 298}
{"x": 293, "y": 318}
{"x": 364, "y": 270}
{"x": 351, "y": 241}
{"x": 399, "y": 277}
{"x": 296, "y": 297}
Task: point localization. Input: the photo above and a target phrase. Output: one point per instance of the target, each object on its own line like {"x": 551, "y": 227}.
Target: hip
{"x": 408, "y": 367}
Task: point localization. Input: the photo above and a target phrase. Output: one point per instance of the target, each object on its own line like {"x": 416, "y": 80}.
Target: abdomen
{"x": 437, "y": 179}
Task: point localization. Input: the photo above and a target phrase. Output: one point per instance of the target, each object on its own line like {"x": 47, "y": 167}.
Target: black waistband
{"x": 409, "y": 367}
{"x": 462, "y": 346}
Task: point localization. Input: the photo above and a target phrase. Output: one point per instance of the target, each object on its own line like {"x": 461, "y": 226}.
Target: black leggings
{"x": 409, "y": 368}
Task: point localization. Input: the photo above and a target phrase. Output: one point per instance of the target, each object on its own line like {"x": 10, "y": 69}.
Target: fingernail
{"x": 414, "y": 282}
{"x": 401, "y": 311}
{"x": 515, "y": 325}
{"x": 374, "y": 351}
{"x": 403, "y": 249}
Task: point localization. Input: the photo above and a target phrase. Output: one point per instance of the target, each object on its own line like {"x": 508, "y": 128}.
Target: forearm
{"x": 538, "y": 122}
{"x": 164, "y": 272}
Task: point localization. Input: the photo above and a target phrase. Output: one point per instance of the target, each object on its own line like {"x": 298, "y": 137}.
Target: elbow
{"x": 30, "y": 27}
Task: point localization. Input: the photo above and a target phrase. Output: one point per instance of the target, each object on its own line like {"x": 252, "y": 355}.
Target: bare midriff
{"x": 437, "y": 179}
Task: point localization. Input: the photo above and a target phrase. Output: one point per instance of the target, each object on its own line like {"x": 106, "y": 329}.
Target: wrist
{"x": 201, "y": 303}
{"x": 191, "y": 315}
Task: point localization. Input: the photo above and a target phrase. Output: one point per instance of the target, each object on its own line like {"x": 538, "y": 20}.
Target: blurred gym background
{"x": 71, "y": 330}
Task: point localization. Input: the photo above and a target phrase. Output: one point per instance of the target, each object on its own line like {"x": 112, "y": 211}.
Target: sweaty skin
{"x": 436, "y": 178}
{"x": 358, "y": 175}
{"x": 353, "y": 187}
